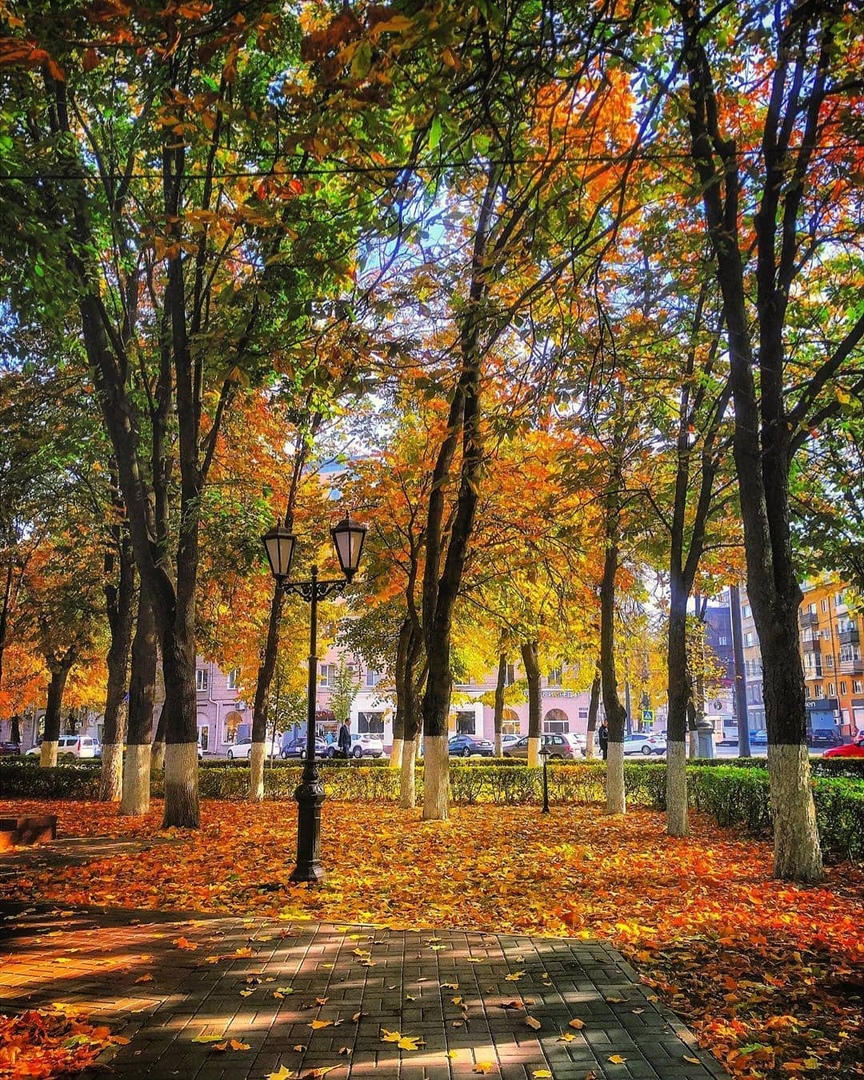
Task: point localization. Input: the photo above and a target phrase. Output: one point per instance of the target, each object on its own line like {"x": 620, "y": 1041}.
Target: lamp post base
{"x": 309, "y": 795}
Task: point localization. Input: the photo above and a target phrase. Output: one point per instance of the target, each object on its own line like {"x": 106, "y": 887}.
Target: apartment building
{"x": 829, "y": 624}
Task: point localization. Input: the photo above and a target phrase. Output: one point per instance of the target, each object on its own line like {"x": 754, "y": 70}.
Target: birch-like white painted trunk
{"x": 111, "y": 779}
{"x": 589, "y": 746}
{"x": 48, "y": 754}
{"x": 436, "y": 777}
{"x": 677, "y": 819}
{"x": 534, "y": 753}
{"x": 797, "y": 855}
{"x": 135, "y": 800}
{"x": 396, "y": 753}
{"x": 408, "y": 777}
{"x": 616, "y": 800}
{"x": 181, "y": 781}
{"x": 256, "y": 771}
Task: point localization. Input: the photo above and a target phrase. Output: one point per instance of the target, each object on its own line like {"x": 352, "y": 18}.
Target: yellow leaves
{"x": 484, "y": 1067}
{"x": 515, "y": 977}
{"x": 617, "y": 1059}
{"x": 231, "y": 1044}
{"x": 544, "y": 1073}
{"x": 209, "y": 1035}
{"x": 404, "y": 1042}
{"x": 533, "y": 1022}
{"x": 316, "y": 1025}
{"x": 282, "y": 1073}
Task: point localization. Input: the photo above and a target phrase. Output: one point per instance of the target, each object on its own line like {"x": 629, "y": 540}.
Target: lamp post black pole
{"x": 545, "y": 756}
{"x": 310, "y": 793}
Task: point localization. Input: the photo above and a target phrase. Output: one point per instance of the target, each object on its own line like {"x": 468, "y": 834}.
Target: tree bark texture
{"x": 593, "y": 710}
{"x": 500, "y": 686}
{"x": 614, "y": 710}
{"x": 531, "y": 663}
{"x": 120, "y": 606}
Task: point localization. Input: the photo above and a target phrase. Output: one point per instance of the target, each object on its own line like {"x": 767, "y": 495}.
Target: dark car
{"x": 471, "y": 746}
{"x": 9, "y": 748}
{"x": 558, "y": 745}
{"x": 823, "y": 737}
{"x": 295, "y": 746}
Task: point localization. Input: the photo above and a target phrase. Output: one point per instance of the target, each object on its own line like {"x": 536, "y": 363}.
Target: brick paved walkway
{"x": 307, "y": 996}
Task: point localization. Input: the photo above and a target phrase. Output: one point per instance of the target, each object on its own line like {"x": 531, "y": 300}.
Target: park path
{"x": 305, "y": 998}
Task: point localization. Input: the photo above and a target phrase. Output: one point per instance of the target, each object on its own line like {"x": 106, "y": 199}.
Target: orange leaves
{"x": 43, "y": 1043}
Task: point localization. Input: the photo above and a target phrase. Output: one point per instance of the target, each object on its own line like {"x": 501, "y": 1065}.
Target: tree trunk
{"x": 531, "y": 663}
{"x": 262, "y": 693}
{"x": 181, "y": 735}
{"x": 614, "y": 710}
{"x": 593, "y": 709}
{"x": 135, "y": 800}
{"x": 500, "y": 686}
{"x": 678, "y": 690}
{"x": 119, "y": 602}
{"x": 59, "y": 674}
{"x": 157, "y": 756}
{"x": 408, "y": 775}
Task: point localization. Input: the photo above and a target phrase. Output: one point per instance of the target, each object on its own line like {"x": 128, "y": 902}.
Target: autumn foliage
{"x": 769, "y": 975}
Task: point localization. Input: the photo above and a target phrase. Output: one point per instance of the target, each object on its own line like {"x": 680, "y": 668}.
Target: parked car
{"x": 242, "y": 748}
{"x": 853, "y": 749}
{"x": 643, "y": 743}
{"x": 294, "y": 746}
{"x": 759, "y": 738}
{"x": 823, "y": 737}
{"x": 365, "y": 746}
{"x": 470, "y": 746}
{"x": 559, "y": 746}
{"x": 79, "y": 746}
{"x": 9, "y": 748}
{"x": 509, "y": 740}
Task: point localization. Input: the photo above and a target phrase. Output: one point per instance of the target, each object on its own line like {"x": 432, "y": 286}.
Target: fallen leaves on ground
{"x": 768, "y": 974}
{"x": 43, "y": 1043}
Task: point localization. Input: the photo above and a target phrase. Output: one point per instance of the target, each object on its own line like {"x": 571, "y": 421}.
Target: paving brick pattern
{"x": 270, "y": 980}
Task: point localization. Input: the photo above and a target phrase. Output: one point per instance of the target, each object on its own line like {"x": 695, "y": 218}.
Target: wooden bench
{"x": 24, "y": 831}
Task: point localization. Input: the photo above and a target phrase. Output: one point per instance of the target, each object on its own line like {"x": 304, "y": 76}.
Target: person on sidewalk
{"x": 344, "y": 740}
{"x": 603, "y": 738}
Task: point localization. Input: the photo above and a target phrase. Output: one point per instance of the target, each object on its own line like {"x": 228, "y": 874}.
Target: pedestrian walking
{"x": 603, "y": 738}
{"x": 344, "y": 740}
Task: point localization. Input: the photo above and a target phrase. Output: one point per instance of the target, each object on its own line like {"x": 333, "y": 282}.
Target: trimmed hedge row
{"x": 731, "y": 794}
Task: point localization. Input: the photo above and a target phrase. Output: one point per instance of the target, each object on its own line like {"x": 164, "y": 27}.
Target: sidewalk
{"x": 308, "y": 998}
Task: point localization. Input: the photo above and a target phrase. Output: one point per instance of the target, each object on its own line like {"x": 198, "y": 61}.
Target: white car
{"x": 79, "y": 746}
{"x": 645, "y": 744}
{"x": 242, "y": 748}
{"x": 366, "y": 746}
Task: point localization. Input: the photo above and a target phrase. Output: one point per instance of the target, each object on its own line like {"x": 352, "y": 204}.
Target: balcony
{"x": 808, "y": 618}
{"x": 814, "y": 672}
{"x": 851, "y": 667}
{"x": 812, "y": 645}
{"x": 852, "y": 636}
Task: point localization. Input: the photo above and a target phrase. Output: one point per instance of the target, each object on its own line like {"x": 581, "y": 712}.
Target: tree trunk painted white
{"x": 408, "y": 777}
{"x": 677, "y": 821}
{"x": 797, "y": 855}
{"x": 256, "y": 771}
{"x": 135, "y": 800}
{"x": 181, "y": 781}
{"x": 534, "y": 753}
{"x": 48, "y": 754}
{"x": 616, "y": 801}
{"x": 436, "y": 777}
{"x": 396, "y": 753}
{"x": 589, "y": 746}
{"x": 111, "y": 780}
{"x": 157, "y": 757}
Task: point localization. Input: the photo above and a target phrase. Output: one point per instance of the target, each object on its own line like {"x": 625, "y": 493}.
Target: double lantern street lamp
{"x": 279, "y": 543}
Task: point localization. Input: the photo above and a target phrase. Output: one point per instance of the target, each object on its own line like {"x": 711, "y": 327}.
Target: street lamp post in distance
{"x": 279, "y": 544}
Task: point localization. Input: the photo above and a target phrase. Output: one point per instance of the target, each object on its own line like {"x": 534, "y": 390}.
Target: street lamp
{"x": 348, "y": 537}
{"x": 544, "y": 753}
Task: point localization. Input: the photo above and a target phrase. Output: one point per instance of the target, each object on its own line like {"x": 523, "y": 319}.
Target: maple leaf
{"x": 283, "y": 1073}
{"x": 616, "y": 1059}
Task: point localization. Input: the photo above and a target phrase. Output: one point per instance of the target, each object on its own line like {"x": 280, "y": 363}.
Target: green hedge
{"x": 732, "y": 794}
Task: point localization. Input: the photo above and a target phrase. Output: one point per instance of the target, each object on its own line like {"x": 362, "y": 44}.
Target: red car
{"x": 853, "y": 749}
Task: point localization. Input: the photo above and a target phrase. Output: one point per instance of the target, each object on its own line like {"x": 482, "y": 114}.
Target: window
{"x": 839, "y": 600}
{"x": 722, "y": 640}
{"x": 583, "y": 714}
{"x": 370, "y": 723}
{"x": 857, "y": 686}
{"x": 825, "y": 604}
{"x": 327, "y": 674}
{"x": 202, "y": 679}
{"x": 232, "y": 679}
{"x": 829, "y": 661}
{"x": 372, "y": 678}
{"x": 465, "y": 723}
{"x": 817, "y": 690}
{"x": 842, "y": 686}
{"x": 558, "y": 726}
{"x": 745, "y": 611}
{"x": 554, "y": 677}
{"x": 830, "y": 689}
{"x": 749, "y": 639}
{"x": 812, "y": 609}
